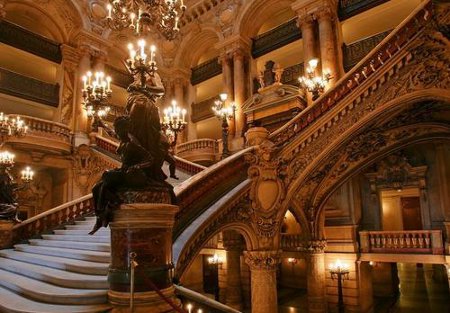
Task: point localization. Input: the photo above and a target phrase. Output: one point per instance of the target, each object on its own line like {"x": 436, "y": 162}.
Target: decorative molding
{"x": 263, "y": 260}
{"x": 355, "y": 52}
{"x": 28, "y": 88}
{"x": 23, "y": 39}
{"x": 276, "y": 38}
{"x": 205, "y": 71}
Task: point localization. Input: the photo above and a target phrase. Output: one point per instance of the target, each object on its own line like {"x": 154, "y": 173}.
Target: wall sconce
{"x": 292, "y": 261}
{"x": 216, "y": 260}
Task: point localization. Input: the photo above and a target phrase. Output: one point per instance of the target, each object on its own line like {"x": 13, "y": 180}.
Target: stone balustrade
{"x": 199, "y": 150}
{"x": 51, "y": 135}
{"x": 407, "y": 241}
{"x": 292, "y": 242}
{"x": 53, "y": 218}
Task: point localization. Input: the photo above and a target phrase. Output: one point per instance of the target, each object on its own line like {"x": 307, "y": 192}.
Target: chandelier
{"x": 137, "y": 63}
{"x": 174, "y": 120}
{"x": 315, "y": 84}
{"x": 11, "y": 127}
{"x": 224, "y": 113}
{"x": 143, "y": 15}
{"x": 96, "y": 93}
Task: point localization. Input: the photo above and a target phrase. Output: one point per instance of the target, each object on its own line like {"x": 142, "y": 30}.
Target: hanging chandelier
{"x": 143, "y": 15}
{"x": 11, "y": 127}
{"x": 96, "y": 93}
{"x": 313, "y": 82}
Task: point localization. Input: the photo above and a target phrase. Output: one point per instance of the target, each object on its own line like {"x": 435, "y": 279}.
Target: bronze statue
{"x": 8, "y": 201}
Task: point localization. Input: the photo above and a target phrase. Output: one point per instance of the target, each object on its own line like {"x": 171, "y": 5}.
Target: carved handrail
{"x": 208, "y": 304}
{"x": 198, "y": 144}
{"x": 43, "y": 128}
{"x": 28, "y": 88}
{"x": 406, "y": 241}
{"x": 49, "y": 220}
{"x": 387, "y": 49}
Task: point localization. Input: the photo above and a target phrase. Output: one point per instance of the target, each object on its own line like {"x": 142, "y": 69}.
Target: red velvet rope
{"x": 169, "y": 301}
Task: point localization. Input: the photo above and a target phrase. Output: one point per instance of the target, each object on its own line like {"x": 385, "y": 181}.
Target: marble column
{"x": 329, "y": 57}
{"x": 227, "y": 79}
{"x": 146, "y": 230}
{"x": 239, "y": 90}
{"x": 232, "y": 244}
{"x": 307, "y": 24}
{"x": 179, "y": 96}
{"x": 315, "y": 280}
{"x": 263, "y": 266}
{"x": 98, "y": 61}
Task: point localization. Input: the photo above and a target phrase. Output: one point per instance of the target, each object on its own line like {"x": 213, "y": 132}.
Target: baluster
{"x": 413, "y": 241}
{"x": 395, "y": 240}
{"x": 421, "y": 240}
{"x": 371, "y": 240}
{"x": 427, "y": 240}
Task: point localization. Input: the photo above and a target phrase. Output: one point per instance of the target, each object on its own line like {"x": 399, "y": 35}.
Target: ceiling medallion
{"x": 144, "y": 15}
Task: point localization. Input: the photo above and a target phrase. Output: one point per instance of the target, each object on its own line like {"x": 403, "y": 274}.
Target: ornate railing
{"x": 389, "y": 48}
{"x": 349, "y": 8}
{"x": 53, "y": 218}
{"x": 188, "y": 166}
{"x": 276, "y": 38}
{"x": 38, "y": 127}
{"x": 119, "y": 78}
{"x": 202, "y": 110}
{"x": 21, "y": 38}
{"x": 292, "y": 73}
{"x": 355, "y": 52}
{"x": 407, "y": 241}
{"x": 292, "y": 242}
{"x": 198, "y": 150}
{"x": 28, "y": 88}
{"x": 205, "y": 70}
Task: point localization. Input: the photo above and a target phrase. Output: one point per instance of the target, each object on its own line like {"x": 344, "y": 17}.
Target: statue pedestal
{"x": 6, "y": 234}
{"x": 145, "y": 229}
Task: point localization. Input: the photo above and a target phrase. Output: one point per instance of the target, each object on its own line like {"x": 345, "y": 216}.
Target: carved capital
{"x": 70, "y": 57}
{"x": 266, "y": 260}
{"x": 314, "y": 246}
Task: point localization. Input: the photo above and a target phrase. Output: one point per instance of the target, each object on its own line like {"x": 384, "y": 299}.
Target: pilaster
{"x": 233, "y": 244}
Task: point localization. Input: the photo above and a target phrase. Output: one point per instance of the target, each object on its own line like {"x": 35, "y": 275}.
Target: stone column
{"x": 227, "y": 78}
{"x": 145, "y": 229}
{"x": 99, "y": 61}
{"x": 307, "y": 24}
{"x": 329, "y": 56}
{"x": 239, "y": 91}
{"x": 232, "y": 244}
{"x": 81, "y": 119}
{"x": 315, "y": 278}
{"x": 263, "y": 266}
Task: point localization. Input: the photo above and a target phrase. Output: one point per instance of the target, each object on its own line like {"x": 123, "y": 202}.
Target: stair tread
{"x": 80, "y": 245}
{"x": 78, "y": 238}
{"x": 37, "y": 286}
{"x": 62, "y": 252}
{"x": 54, "y": 261}
{"x": 103, "y": 232}
{"x": 56, "y": 276}
{"x": 12, "y": 302}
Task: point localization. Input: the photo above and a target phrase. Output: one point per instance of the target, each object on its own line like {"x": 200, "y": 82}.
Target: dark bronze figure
{"x": 8, "y": 200}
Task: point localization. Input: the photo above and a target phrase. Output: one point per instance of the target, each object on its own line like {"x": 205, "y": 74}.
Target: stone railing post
{"x": 145, "y": 229}
{"x": 364, "y": 243}
{"x": 263, "y": 266}
{"x": 437, "y": 245}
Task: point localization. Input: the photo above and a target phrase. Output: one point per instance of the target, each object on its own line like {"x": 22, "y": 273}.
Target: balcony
{"x": 205, "y": 71}
{"x": 349, "y": 8}
{"x": 203, "y": 151}
{"x": 45, "y": 135}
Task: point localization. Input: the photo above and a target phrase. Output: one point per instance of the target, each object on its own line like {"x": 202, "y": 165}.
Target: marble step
{"x": 44, "y": 292}
{"x": 80, "y": 238}
{"x": 90, "y": 223}
{"x": 92, "y": 246}
{"x": 54, "y": 276}
{"x": 85, "y": 227}
{"x": 11, "y": 302}
{"x": 103, "y": 232}
{"x": 86, "y": 255}
{"x": 71, "y": 265}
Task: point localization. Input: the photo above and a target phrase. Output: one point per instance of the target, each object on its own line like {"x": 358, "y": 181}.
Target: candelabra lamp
{"x": 174, "y": 121}
{"x": 143, "y": 16}
{"x": 313, "y": 82}
{"x": 217, "y": 262}
{"x": 11, "y": 127}
{"x": 224, "y": 114}
{"x": 139, "y": 64}
{"x": 339, "y": 272}
{"x": 96, "y": 94}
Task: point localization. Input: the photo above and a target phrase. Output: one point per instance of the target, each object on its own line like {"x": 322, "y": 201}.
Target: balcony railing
{"x": 21, "y": 38}
{"x": 276, "y": 38}
{"x": 355, "y": 52}
{"x": 205, "y": 71}
{"x": 292, "y": 73}
{"x": 349, "y": 8}
{"x": 407, "y": 241}
{"x": 202, "y": 110}
{"x": 28, "y": 88}
{"x": 199, "y": 150}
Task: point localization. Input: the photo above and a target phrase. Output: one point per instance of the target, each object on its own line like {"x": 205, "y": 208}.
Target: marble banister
{"x": 407, "y": 241}
{"x": 198, "y": 150}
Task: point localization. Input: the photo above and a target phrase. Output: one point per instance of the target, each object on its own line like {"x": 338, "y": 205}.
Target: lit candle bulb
{"x": 27, "y": 174}
{"x": 108, "y": 79}
{"x": 189, "y": 307}
{"x": 89, "y": 75}
{"x": 109, "y": 7}
{"x": 132, "y": 17}
{"x": 84, "y": 82}
{"x": 152, "y": 54}
{"x": 141, "y": 44}
{"x": 183, "y": 112}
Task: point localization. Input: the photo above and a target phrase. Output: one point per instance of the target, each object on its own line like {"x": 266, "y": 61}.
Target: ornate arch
{"x": 64, "y": 17}
{"x": 195, "y": 44}
{"x": 255, "y": 13}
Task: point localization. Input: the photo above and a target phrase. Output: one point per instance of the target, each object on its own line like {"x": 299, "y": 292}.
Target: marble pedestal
{"x": 145, "y": 229}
